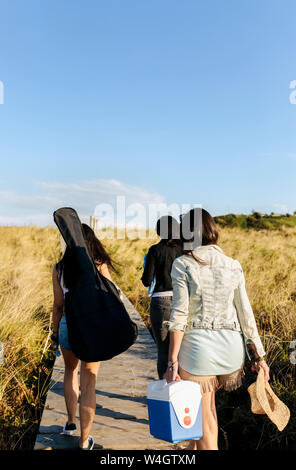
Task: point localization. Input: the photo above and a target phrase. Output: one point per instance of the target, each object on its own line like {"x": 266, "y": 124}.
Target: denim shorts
{"x": 63, "y": 334}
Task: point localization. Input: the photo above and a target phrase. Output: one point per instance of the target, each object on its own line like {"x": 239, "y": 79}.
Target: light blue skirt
{"x": 212, "y": 352}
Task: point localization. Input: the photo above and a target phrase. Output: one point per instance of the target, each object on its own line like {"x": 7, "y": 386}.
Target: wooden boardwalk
{"x": 121, "y": 419}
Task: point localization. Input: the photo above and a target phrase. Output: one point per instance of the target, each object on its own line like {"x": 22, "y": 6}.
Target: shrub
{"x": 256, "y": 223}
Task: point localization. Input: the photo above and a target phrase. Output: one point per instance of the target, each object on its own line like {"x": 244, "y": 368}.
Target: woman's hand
{"x": 263, "y": 366}
{"x": 172, "y": 373}
{"x": 54, "y": 342}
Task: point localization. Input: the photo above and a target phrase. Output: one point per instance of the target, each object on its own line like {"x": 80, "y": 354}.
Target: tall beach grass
{"x": 27, "y": 256}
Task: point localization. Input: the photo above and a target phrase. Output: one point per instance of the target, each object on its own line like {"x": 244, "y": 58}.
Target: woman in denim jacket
{"x": 211, "y": 323}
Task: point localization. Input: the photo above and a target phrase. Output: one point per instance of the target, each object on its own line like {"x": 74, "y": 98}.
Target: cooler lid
{"x": 184, "y": 395}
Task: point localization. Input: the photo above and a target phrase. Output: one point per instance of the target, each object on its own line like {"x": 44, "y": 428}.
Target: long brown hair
{"x": 96, "y": 250}
{"x": 209, "y": 231}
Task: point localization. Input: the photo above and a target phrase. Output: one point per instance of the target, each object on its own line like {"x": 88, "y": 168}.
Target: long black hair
{"x": 168, "y": 229}
{"x": 68, "y": 266}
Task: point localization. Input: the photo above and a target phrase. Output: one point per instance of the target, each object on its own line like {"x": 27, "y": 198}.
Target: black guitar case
{"x": 99, "y": 325}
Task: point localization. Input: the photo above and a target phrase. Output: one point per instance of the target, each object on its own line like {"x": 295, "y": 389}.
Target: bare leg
{"x": 88, "y": 376}
{"x": 209, "y": 441}
{"x": 192, "y": 445}
{"x": 71, "y": 386}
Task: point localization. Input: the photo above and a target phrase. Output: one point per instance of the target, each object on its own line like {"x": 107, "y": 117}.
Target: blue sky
{"x": 159, "y": 101}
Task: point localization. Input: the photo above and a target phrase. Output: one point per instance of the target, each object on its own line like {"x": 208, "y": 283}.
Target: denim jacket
{"x": 212, "y": 296}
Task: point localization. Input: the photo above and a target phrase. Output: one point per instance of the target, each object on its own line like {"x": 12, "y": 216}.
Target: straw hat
{"x": 264, "y": 401}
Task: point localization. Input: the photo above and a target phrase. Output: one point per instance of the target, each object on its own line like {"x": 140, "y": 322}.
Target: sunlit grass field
{"x": 27, "y": 256}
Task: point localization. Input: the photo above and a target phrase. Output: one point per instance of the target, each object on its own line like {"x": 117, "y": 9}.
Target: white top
{"x": 64, "y": 288}
{"x": 167, "y": 293}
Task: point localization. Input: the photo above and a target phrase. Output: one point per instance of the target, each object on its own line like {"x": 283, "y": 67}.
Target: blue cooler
{"x": 174, "y": 409}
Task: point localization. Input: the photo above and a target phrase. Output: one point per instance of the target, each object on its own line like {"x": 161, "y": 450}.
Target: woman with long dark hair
{"x": 63, "y": 277}
{"x": 158, "y": 266}
{"x": 212, "y": 322}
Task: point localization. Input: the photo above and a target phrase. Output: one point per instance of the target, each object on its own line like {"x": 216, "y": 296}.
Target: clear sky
{"x": 156, "y": 100}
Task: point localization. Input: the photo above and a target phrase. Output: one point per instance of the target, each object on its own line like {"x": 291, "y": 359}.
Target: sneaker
{"x": 91, "y": 444}
{"x": 69, "y": 429}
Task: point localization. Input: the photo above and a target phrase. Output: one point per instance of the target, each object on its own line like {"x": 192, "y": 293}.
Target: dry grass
{"x": 28, "y": 254}
{"x": 269, "y": 262}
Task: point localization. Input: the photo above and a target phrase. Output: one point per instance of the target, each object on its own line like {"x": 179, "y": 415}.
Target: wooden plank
{"x": 121, "y": 418}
